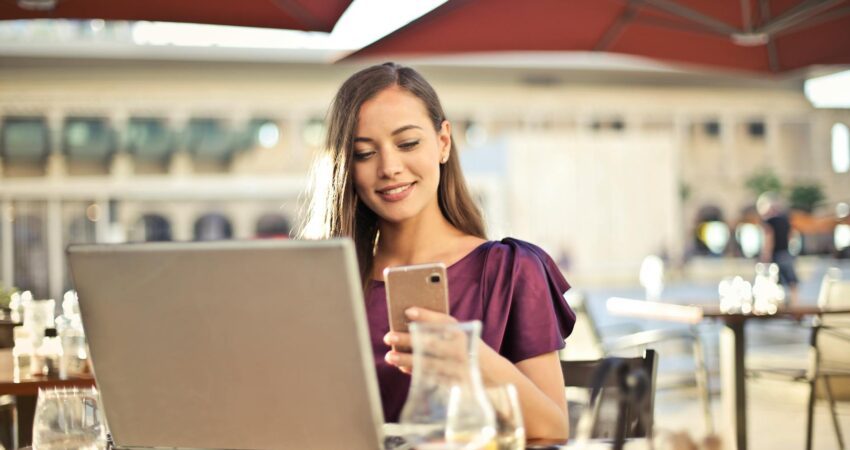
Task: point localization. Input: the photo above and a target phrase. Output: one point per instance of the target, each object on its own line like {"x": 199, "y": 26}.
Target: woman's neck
{"x": 418, "y": 240}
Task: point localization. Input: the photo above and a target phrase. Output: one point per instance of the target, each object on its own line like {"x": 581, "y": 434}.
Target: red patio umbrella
{"x": 752, "y": 35}
{"x": 310, "y": 15}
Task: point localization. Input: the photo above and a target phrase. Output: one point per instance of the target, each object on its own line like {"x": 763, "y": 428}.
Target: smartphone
{"x": 422, "y": 285}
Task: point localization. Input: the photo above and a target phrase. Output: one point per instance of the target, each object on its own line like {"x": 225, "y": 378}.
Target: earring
{"x": 445, "y": 159}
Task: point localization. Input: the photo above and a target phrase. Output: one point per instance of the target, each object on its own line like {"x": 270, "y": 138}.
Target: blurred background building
{"x": 601, "y": 160}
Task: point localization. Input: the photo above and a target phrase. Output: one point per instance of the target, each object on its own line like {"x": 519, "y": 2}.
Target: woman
{"x": 396, "y": 188}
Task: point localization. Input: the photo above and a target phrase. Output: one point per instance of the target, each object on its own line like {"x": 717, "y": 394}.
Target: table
{"x": 26, "y": 388}
{"x": 732, "y": 348}
{"x": 27, "y": 385}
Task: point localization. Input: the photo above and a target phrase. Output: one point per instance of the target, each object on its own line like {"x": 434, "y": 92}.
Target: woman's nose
{"x": 390, "y": 165}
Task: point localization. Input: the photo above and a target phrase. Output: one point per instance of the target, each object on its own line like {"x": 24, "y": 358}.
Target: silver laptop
{"x": 239, "y": 345}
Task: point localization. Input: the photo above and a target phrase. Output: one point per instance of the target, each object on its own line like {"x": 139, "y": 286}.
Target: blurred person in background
{"x": 777, "y": 234}
{"x": 396, "y": 188}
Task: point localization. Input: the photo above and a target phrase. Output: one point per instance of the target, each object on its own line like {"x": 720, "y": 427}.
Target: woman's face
{"x": 397, "y": 155}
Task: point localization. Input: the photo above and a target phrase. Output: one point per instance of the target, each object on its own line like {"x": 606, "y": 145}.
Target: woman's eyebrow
{"x": 405, "y": 128}
{"x": 397, "y": 131}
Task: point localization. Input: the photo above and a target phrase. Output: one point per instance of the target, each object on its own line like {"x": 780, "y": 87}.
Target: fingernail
{"x": 390, "y": 338}
{"x": 391, "y": 358}
{"x": 411, "y": 313}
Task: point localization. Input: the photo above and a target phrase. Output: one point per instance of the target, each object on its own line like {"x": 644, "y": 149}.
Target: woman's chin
{"x": 396, "y": 216}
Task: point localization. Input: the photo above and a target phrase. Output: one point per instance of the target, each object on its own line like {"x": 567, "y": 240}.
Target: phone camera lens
{"x": 434, "y": 278}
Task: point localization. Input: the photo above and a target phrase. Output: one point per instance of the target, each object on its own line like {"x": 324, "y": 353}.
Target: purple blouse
{"x": 513, "y": 287}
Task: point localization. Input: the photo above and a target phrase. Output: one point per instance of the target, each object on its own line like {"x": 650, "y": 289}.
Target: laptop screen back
{"x": 241, "y": 345}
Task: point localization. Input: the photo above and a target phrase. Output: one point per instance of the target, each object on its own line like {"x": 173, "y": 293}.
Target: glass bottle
{"x": 72, "y": 337}
{"x": 447, "y": 406}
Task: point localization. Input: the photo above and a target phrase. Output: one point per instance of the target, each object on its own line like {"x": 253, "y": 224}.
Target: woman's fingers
{"x": 397, "y": 339}
{"x": 401, "y": 360}
{"x": 437, "y": 351}
{"x": 417, "y": 314}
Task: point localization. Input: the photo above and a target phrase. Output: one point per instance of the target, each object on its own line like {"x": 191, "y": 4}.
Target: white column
{"x": 676, "y": 223}
{"x": 182, "y": 217}
{"x": 584, "y": 120}
{"x": 297, "y": 152}
{"x": 2, "y": 170}
{"x": 7, "y": 250}
{"x": 55, "y": 253}
{"x": 121, "y": 165}
{"x": 820, "y": 148}
{"x": 634, "y": 125}
{"x": 56, "y": 164}
{"x": 235, "y": 123}
{"x": 181, "y": 161}
{"x": 773, "y": 151}
{"x": 728, "y": 136}
{"x": 243, "y": 218}
{"x": 102, "y": 226}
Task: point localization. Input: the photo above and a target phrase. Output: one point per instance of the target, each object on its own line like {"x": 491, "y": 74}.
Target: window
{"x": 273, "y": 225}
{"x": 29, "y": 231}
{"x": 78, "y": 223}
{"x": 711, "y": 128}
{"x": 313, "y": 132}
{"x": 149, "y": 139}
{"x": 24, "y": 139}
{"x": 208, "y": 140}
{"x": 260, "y": 132}
{"x": 151, "y": 228}
{"x": 840, "y": 148}
{"x": 213, "y": 227}
{"x": 87, "y": 139}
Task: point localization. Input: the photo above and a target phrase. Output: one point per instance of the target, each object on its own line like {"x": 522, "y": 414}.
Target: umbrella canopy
{"x": 308, "y": 15}
{"x": 752, "y": 35}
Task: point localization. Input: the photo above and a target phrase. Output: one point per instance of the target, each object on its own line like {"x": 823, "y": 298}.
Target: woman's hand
{"x": 400, "y": 356}
{"x": 538, "y": 380}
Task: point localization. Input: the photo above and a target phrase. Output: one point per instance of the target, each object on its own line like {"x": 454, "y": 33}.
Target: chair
{"x": 636, "y": 339}
{"x": 830, "y": 348}
{"x": 638, "y": 421}
{"x": 829, "y": 352}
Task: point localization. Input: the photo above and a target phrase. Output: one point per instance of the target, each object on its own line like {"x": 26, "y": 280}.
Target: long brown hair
{"x": 335, "y": 209}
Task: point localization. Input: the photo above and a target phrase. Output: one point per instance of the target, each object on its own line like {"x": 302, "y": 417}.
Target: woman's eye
{"x": 362, "y": 156}
{"x": 409, "y": 144}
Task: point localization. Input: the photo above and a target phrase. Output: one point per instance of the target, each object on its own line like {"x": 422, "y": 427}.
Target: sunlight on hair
{"x": 316, "y": 226}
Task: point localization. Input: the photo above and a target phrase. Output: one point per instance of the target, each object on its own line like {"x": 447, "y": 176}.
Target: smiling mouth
{"x": 395, "y": 190}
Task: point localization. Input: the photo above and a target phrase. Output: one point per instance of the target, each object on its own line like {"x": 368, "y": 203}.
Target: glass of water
{"x": 510, "y": 430}
{"x": 68, "y": 418}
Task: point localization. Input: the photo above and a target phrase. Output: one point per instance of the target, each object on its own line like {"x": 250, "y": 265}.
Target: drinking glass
{"x": 68, "y": 418}
{"x": 510, "y": 430}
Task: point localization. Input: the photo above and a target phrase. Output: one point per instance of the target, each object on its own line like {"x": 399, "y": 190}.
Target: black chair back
{"x": 625, "y": 389}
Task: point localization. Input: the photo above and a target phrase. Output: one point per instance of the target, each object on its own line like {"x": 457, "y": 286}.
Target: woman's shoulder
{"x": 512, "y": 259}
{"x": 518, "y": 251}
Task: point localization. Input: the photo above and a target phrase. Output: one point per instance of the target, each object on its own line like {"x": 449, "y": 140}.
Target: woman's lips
{"x": 397, "y": 193}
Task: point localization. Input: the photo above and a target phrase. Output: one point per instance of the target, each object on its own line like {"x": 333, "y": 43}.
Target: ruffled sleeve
{"x": 525, "y": 313}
